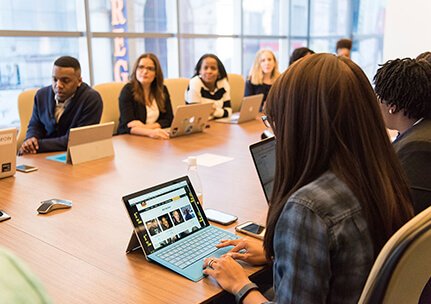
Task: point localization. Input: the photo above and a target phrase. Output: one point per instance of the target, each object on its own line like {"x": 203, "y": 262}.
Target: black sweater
{"x": 130, "y": 109}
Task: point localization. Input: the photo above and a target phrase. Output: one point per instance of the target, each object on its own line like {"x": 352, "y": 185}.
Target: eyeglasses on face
{"x": 265, "y": 121}
{"x": 148, "y": 68}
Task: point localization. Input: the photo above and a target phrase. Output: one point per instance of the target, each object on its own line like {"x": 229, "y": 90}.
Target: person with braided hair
{"x": 403, "y": 87}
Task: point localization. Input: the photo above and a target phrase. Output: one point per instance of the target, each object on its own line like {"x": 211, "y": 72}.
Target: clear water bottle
{"x": 193, "y": 174}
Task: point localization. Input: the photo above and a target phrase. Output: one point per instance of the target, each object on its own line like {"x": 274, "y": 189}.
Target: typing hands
{"x": 246, "y": 249}
{"x": 228, "y": 273}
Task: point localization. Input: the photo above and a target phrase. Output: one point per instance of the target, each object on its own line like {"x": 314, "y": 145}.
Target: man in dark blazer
{"x": 403, "y": 87}
{"x": 67, "y": 103}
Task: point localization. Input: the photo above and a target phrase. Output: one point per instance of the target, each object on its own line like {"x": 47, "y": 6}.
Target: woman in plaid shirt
{"x": 339, "y": 191}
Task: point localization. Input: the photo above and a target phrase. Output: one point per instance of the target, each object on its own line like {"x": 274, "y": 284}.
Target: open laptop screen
{"x": 165, "y": 213}
{"x": 263, "y": 154}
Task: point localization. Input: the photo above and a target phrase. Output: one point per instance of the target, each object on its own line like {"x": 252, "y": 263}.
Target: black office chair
{"x": 403, "y": 267}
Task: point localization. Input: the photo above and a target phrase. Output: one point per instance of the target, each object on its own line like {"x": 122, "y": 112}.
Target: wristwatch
{"x": 243, "y": 292}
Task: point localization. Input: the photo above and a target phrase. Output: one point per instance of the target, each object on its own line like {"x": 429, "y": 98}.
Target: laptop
{"x": 171, "y": 228}
{"x": 263, "y": 154}
{"x": 190, "y": 119}
{"x": 249, "y": 109}
{"x": 7, "y": 152}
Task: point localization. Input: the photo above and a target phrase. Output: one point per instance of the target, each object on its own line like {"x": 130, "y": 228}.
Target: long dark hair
{"x": 156, "y": 85}
{"x": 221, "y": 70}
{"x": 325, "y": 116}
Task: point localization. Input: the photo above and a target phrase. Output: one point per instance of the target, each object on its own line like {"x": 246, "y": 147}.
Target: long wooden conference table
{"x": 79, "y": 253}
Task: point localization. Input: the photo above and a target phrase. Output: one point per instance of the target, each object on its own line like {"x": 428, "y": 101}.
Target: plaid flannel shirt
{"x": 323, "y": 248}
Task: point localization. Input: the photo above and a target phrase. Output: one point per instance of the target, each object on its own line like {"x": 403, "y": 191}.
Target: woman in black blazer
{"x": 145, "y": 105}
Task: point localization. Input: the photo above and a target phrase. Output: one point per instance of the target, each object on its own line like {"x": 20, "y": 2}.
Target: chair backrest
{"x": 237, "y": 86}
{"x": 25, "y": 109}
{"x": 110, "y": 92}
{"x": 403, "y": 267}
{"x": 177, "y": 88}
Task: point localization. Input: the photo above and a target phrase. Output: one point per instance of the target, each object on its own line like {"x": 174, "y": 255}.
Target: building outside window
{"x": 108, "y": 35}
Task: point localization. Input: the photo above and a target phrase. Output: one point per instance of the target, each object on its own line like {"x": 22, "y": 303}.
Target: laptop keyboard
{"x": 195, "y": 248}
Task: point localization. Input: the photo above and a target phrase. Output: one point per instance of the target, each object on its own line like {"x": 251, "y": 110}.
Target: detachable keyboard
{"x": 194, "y": 247}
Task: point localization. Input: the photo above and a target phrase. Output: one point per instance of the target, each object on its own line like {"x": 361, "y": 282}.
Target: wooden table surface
{"x": 79, "y": 253}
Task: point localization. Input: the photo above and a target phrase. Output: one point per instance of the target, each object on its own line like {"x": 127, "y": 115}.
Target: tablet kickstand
{"x": 133, "y": 243}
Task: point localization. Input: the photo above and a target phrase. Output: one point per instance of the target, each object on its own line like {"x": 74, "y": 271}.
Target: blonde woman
{"x": 262, "y": 74}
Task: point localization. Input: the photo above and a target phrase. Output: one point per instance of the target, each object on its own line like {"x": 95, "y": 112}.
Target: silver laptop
{"x": 249, "y": 109}
{"x": 263, "y": 154}
{"x": 190, "y": 119}
{"x": 171, "y": 228}
{"x": 7, "y": 152}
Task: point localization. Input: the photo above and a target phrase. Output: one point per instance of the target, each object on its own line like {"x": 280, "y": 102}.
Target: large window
{"x": 108, "y": 35}
{"x": 367, "y": 33}
{"x": 330, "y": 18}
{"x": 264, "y": 18}
{"x": 42, "y": 15}
{"x": 218, "y": 17}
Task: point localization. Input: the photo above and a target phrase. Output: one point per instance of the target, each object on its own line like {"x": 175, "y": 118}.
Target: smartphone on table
{"x": 26, "y": 168}
{"x": 4, "y": 216}
{"x": 220, "y": 217}
{"x": 251, "y": 229}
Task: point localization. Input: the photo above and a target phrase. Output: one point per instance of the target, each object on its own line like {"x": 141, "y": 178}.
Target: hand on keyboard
{"x": 246, "y": 249}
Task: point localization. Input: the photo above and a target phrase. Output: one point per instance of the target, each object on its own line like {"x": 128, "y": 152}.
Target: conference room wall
{"x": 407, "y": 28}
